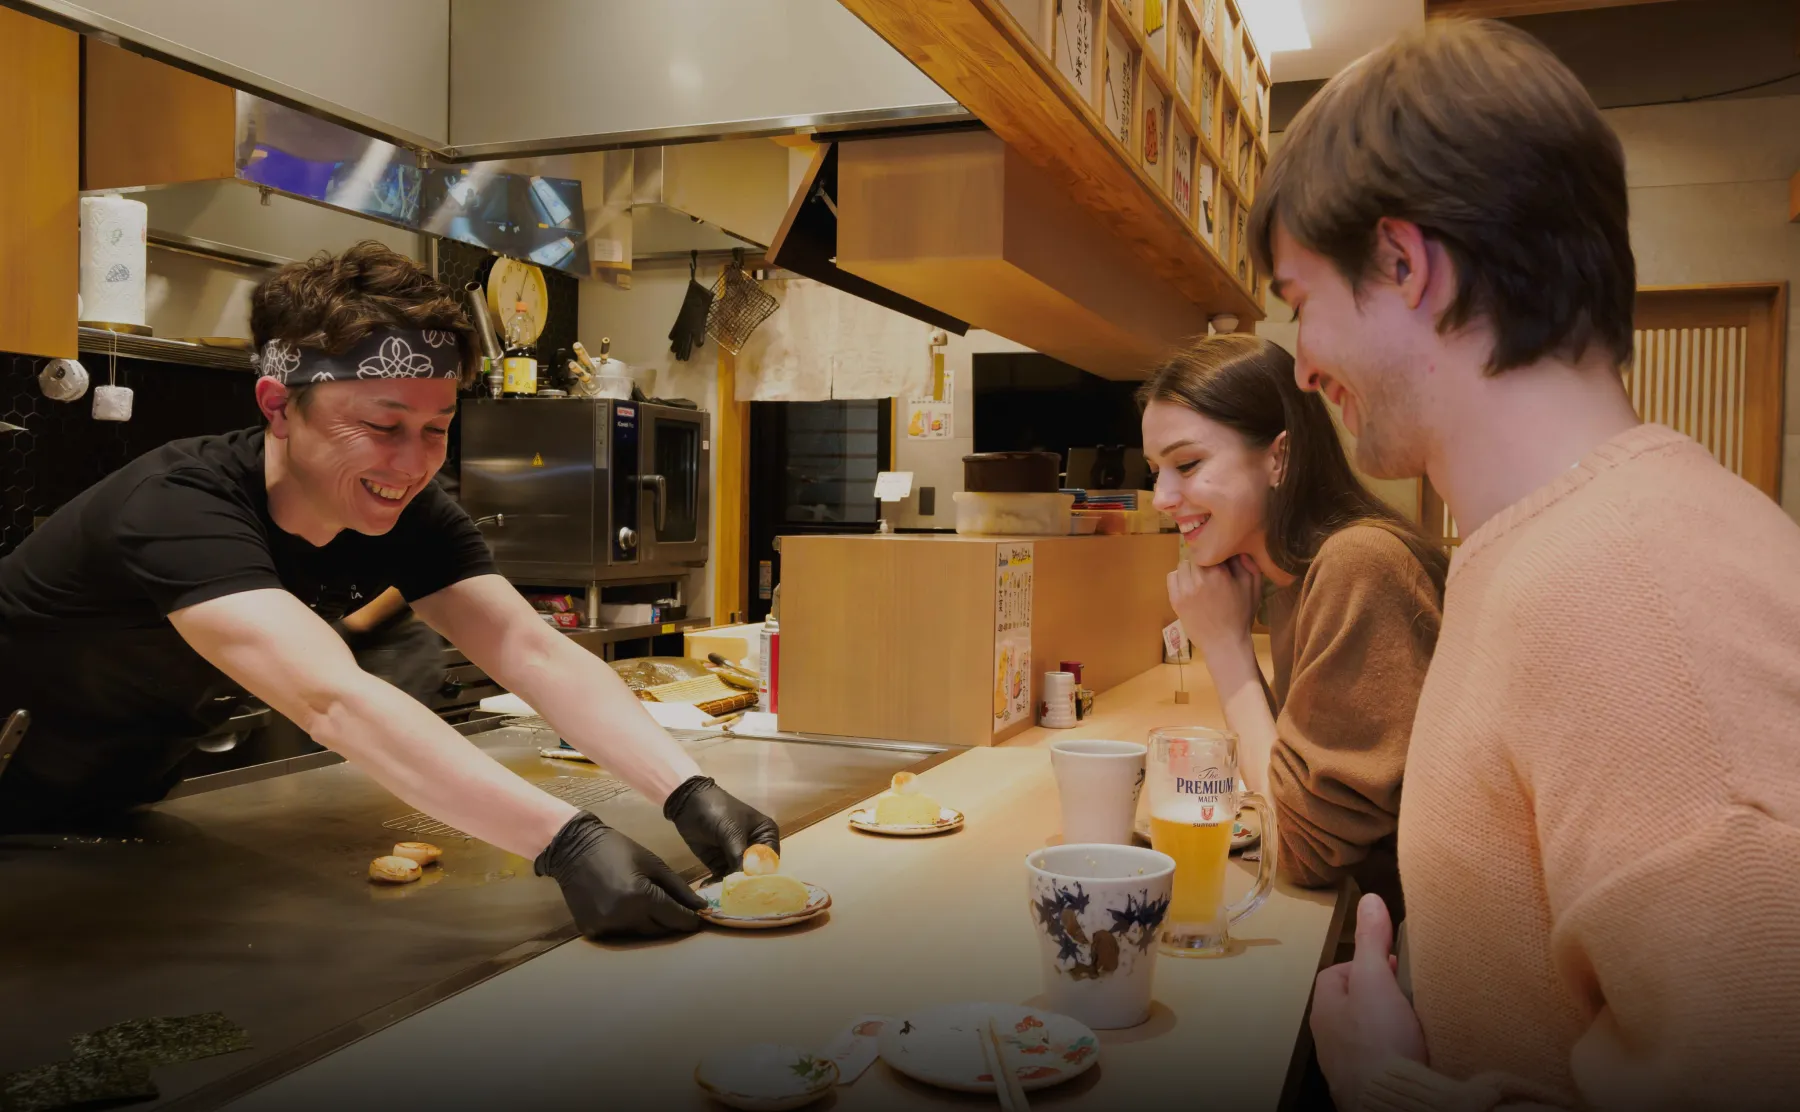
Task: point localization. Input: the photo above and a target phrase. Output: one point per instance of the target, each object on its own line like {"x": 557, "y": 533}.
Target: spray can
{"x": 767, "y": 685}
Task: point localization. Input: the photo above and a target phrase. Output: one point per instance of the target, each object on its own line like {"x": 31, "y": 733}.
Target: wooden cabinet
{"x": 899, "y": 637}
{"x": 147, "y": 123}
{"x": 967, "y": 225}
{"x": 40, "y": 221}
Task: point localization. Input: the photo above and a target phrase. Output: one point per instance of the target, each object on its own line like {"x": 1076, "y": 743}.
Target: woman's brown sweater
{"x": 1351, "y": 641}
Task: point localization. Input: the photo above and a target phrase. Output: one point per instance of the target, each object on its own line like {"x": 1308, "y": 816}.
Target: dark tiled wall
{"x": 64, "y": 450}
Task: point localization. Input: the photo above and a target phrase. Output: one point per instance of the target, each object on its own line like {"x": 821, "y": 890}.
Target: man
{"x": 127, "y": 618}
{"x": 1598, "y": 840}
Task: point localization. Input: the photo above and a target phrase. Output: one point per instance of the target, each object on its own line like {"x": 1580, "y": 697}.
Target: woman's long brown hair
{"x": 1247, "y": 383}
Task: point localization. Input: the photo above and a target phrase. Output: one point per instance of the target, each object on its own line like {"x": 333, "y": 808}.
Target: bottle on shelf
{"x": 519, "y": 367}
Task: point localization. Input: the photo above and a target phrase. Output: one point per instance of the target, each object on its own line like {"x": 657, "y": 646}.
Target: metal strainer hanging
{"x": 739, "y": 305}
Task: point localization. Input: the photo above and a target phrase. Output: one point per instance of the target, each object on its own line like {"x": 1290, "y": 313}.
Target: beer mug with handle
{"x": 1194, "y": 798}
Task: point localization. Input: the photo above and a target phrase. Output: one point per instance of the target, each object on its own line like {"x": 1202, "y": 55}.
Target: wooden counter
{"x": 914, "y": 923}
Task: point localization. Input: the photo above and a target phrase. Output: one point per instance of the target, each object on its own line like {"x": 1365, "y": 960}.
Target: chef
{"x": 133, "y": 618}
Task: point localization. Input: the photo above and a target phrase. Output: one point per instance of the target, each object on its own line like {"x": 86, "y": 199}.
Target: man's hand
{"x": 717, "y": 825}
{"x": 615, "y": 887}
{"x": 1360, "y": 1018}
{"x": 1216, "y": 604}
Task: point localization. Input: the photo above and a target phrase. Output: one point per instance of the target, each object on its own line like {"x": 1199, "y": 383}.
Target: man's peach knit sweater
{"x": 1600, "y": 839}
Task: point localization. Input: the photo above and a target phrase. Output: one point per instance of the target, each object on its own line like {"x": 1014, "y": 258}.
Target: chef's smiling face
{"x": 1210, "y": 479}
{"x": 1357, "y": 348}
{"x": 361, "y": 451}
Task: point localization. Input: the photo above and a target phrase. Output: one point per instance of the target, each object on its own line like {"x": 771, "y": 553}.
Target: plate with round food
{"x": 760, "y": 897}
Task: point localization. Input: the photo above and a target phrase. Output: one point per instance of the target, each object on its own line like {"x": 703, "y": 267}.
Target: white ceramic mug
{"x": 1099, "y": 782}
{"x": 1058, "y": 708}
{"x": 1096, "y": 910}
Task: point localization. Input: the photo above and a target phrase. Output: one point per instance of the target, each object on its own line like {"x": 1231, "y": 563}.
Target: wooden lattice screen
{"x": 1707, "y": 361}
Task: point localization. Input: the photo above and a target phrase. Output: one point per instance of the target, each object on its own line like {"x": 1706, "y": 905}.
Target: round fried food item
{"x": 760, "y": 860}
{"x": 423, "y": 852}
{"x": 902, "y": 782}
{"x": 394, "y": 870}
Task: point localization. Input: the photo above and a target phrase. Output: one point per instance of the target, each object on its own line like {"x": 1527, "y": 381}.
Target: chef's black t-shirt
{"x": 85, "y": 641}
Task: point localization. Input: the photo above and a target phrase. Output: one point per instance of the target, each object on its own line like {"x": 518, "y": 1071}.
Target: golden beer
{"x": 1192, "y": 776}
{"x": 1200, "y": 854}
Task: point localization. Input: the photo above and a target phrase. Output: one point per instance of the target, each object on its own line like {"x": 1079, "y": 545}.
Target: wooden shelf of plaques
{"x": 1151, "y": 115}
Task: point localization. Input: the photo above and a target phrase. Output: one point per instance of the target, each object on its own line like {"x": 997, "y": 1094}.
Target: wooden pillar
{"x": 731, "y": 524}
{"x": 40, "y": 214}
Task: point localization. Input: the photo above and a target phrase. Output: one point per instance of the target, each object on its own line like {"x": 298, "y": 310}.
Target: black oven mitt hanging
{"x": 690, "y": 324}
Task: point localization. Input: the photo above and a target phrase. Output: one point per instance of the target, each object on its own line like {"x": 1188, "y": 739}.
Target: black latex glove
{"x": 615, "y": 887}
{"x": 717, "y": 825}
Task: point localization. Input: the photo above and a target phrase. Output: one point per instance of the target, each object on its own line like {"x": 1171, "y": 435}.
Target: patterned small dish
{"x": 863, "y": 819}
{"x": 765, "y": 1077}
{"x": 817, "y": 900}
{"x": 940, "y": 1047}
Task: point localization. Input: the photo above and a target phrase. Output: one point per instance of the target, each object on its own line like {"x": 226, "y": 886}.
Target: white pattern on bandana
{"x": 438, "y": 339}
{"x": 395, "y": 359}
{"x": 279, "y": 360}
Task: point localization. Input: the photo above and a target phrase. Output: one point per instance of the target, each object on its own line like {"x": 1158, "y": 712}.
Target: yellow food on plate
{"x": 905, "y": 805}
{"x": 759, "y": 890}
{"x": 423, "y": 852}
{"x": 394, "y": 870}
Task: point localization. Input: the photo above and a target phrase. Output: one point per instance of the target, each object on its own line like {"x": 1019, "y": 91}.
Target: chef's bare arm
{"x": 285, "y": 655}
{"x": 579, "y": 693}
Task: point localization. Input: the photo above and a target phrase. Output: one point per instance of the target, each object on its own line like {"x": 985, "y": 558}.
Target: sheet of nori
{"x": 76, "y": 1083}
{"x": 163, "y": 1040}
{"x": 112, "y": 1065}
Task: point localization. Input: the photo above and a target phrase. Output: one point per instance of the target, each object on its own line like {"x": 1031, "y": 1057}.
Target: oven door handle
{"x": 661, "y": 486}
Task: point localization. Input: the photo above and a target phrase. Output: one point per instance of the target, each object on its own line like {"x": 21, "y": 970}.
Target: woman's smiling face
{"x": 1212, "y": 481}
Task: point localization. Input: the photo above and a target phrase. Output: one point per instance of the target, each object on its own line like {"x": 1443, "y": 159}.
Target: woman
{"x": 1251, "y": 468}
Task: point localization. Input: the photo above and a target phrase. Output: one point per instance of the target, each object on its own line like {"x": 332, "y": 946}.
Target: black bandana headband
{"x": 383, "y": 353}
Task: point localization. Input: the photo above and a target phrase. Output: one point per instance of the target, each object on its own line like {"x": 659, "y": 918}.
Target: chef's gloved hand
{"x": 615, "y": 887}
{"x": 717, "y": 825}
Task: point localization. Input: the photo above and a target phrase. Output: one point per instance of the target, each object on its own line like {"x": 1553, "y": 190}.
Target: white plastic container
{"x": 1012, "y": 515}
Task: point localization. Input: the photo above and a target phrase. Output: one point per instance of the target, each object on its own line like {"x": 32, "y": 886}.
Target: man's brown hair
{"x": 330, "y": 302}
{"x": 1476, "y": 133}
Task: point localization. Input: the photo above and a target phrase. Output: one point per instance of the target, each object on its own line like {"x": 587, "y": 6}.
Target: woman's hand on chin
{"x": 1216, "y": 604}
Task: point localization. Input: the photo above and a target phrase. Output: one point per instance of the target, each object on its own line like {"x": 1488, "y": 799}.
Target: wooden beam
{"x": 1504, "y": 9}
{"x": 731, "y": 524}
{"x": 40, "y": 214}
{"x": 977, "y": 52}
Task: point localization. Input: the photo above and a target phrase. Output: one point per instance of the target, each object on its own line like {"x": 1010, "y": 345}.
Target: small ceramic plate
{"x": 863, "y": 818}
{"x": 765, "y": 1077}
{"x": 940, "y": 1047}
{"x": 1242, "y": 837}
{"x": 817, "y": 900}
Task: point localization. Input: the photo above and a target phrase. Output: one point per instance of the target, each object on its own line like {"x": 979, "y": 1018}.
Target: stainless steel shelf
{"x": 98, "y": 341}
{"x": 609, "y": 635}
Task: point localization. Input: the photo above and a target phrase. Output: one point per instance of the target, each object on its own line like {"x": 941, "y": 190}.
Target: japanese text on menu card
{"x": 1012, "y": 633}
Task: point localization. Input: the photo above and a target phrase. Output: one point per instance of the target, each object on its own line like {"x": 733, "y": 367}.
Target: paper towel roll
{"x": 112, "y": 259}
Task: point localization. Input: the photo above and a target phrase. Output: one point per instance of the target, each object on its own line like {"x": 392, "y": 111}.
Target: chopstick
{"x": 1006, "y": 1083}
